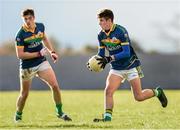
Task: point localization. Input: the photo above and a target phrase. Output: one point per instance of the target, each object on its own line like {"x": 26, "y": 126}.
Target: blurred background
{"x": 72, "y": 27}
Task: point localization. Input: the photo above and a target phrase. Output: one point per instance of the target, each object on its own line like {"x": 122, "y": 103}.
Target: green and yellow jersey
{"x": 31, "y": 41}
{"x": 117, "y": 42}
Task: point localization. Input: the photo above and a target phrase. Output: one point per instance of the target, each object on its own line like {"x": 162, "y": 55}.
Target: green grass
{"x": 83, "y": 106}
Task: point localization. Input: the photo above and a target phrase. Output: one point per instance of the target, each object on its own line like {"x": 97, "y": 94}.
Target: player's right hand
{"x": 43, "y": 51}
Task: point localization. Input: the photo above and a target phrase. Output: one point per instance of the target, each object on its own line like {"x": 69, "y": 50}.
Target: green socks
{"x": 59, "y": 109}
{"x": 108, "y": 115}
{"x": 18, "y": 116}
{"x": 156, "y": 92}
{"x": 18, "y": 113}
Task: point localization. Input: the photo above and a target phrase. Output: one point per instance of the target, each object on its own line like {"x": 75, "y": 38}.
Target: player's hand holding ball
{"x": 104, "y": 60}
{"x": 94, "y": 64}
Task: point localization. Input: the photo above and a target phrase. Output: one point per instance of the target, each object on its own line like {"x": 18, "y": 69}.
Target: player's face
{"x": 105, "y": 24}
{"x": 29, "y": 20}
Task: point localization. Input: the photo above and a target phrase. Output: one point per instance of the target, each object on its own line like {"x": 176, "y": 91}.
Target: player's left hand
{"x": 54, "y": 56}
{"x": 104, "y": 60}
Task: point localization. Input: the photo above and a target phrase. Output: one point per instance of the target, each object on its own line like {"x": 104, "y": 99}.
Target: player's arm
{"x": 107, "y": 59}
{"x": 123, "y": 54}
{"x": 20, "y": 49}
{"x": 25, "y": 55}
{"x": 48, "y": 44}
{"x": 101, "y": 48}
{"x": 125, "y": 48}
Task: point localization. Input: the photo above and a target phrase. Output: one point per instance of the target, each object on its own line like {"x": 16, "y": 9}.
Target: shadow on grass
{"x": 65, "y": 126}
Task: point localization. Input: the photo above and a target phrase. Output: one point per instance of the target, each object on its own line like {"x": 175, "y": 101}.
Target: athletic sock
{"x": 59, "y": 109}
{"x": 156, "y": 92}
{"x": 108, "y": 115}
{"x": 19, "y": 114}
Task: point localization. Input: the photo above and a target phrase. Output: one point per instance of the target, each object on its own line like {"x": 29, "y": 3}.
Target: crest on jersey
{"x": 126, "y": 35}
{"x": 114, "y": 39}
{"x": 39, "y": 34}
{"x": 18, "y": 39}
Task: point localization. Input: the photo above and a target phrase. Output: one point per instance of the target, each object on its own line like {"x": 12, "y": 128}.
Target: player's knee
{"x": 139, "y": 98}
{"x": 108, "y": 91}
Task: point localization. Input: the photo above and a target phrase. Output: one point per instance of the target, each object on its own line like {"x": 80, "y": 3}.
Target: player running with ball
{"x": 31, "y": 52}
{"x": 125, "y": 64}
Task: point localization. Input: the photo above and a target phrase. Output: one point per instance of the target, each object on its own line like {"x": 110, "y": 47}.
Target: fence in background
{"x": 72, "y": 73}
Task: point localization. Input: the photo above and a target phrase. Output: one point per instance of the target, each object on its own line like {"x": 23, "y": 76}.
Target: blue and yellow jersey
{"x": 31, "y": 41}
{"x": 117, "y": 42}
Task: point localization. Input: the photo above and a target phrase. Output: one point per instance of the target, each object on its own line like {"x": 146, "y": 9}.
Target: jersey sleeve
{"x": 19, "y": 40}
{"x": 124, "y": 37}
{"x": 43, "y": 28}
{"x": 125, "y": 41}
{"x": 101, "y": 47}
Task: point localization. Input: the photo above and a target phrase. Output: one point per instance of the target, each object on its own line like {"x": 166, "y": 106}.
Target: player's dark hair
{"x": 28, "y": 12}
{"x": 107, "y": 14}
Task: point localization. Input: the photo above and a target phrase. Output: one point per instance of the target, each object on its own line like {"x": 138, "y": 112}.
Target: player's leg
{"x": 141, "y": 95}
{"x": 112, "y": 83}
{"x": 24, "y": 91}
{"x": 48, "y": 76}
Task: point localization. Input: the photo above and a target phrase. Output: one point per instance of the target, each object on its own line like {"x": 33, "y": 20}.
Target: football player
{"x": 125, "y": 65}
{"x": 32, "y": 46}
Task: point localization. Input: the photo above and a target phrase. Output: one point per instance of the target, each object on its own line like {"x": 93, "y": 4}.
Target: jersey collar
{"x": 28, "y": 29}
{"x": 112, "y": 29}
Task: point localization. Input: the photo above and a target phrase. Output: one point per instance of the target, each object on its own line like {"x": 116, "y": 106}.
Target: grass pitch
{"x": 83, "y": 106}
